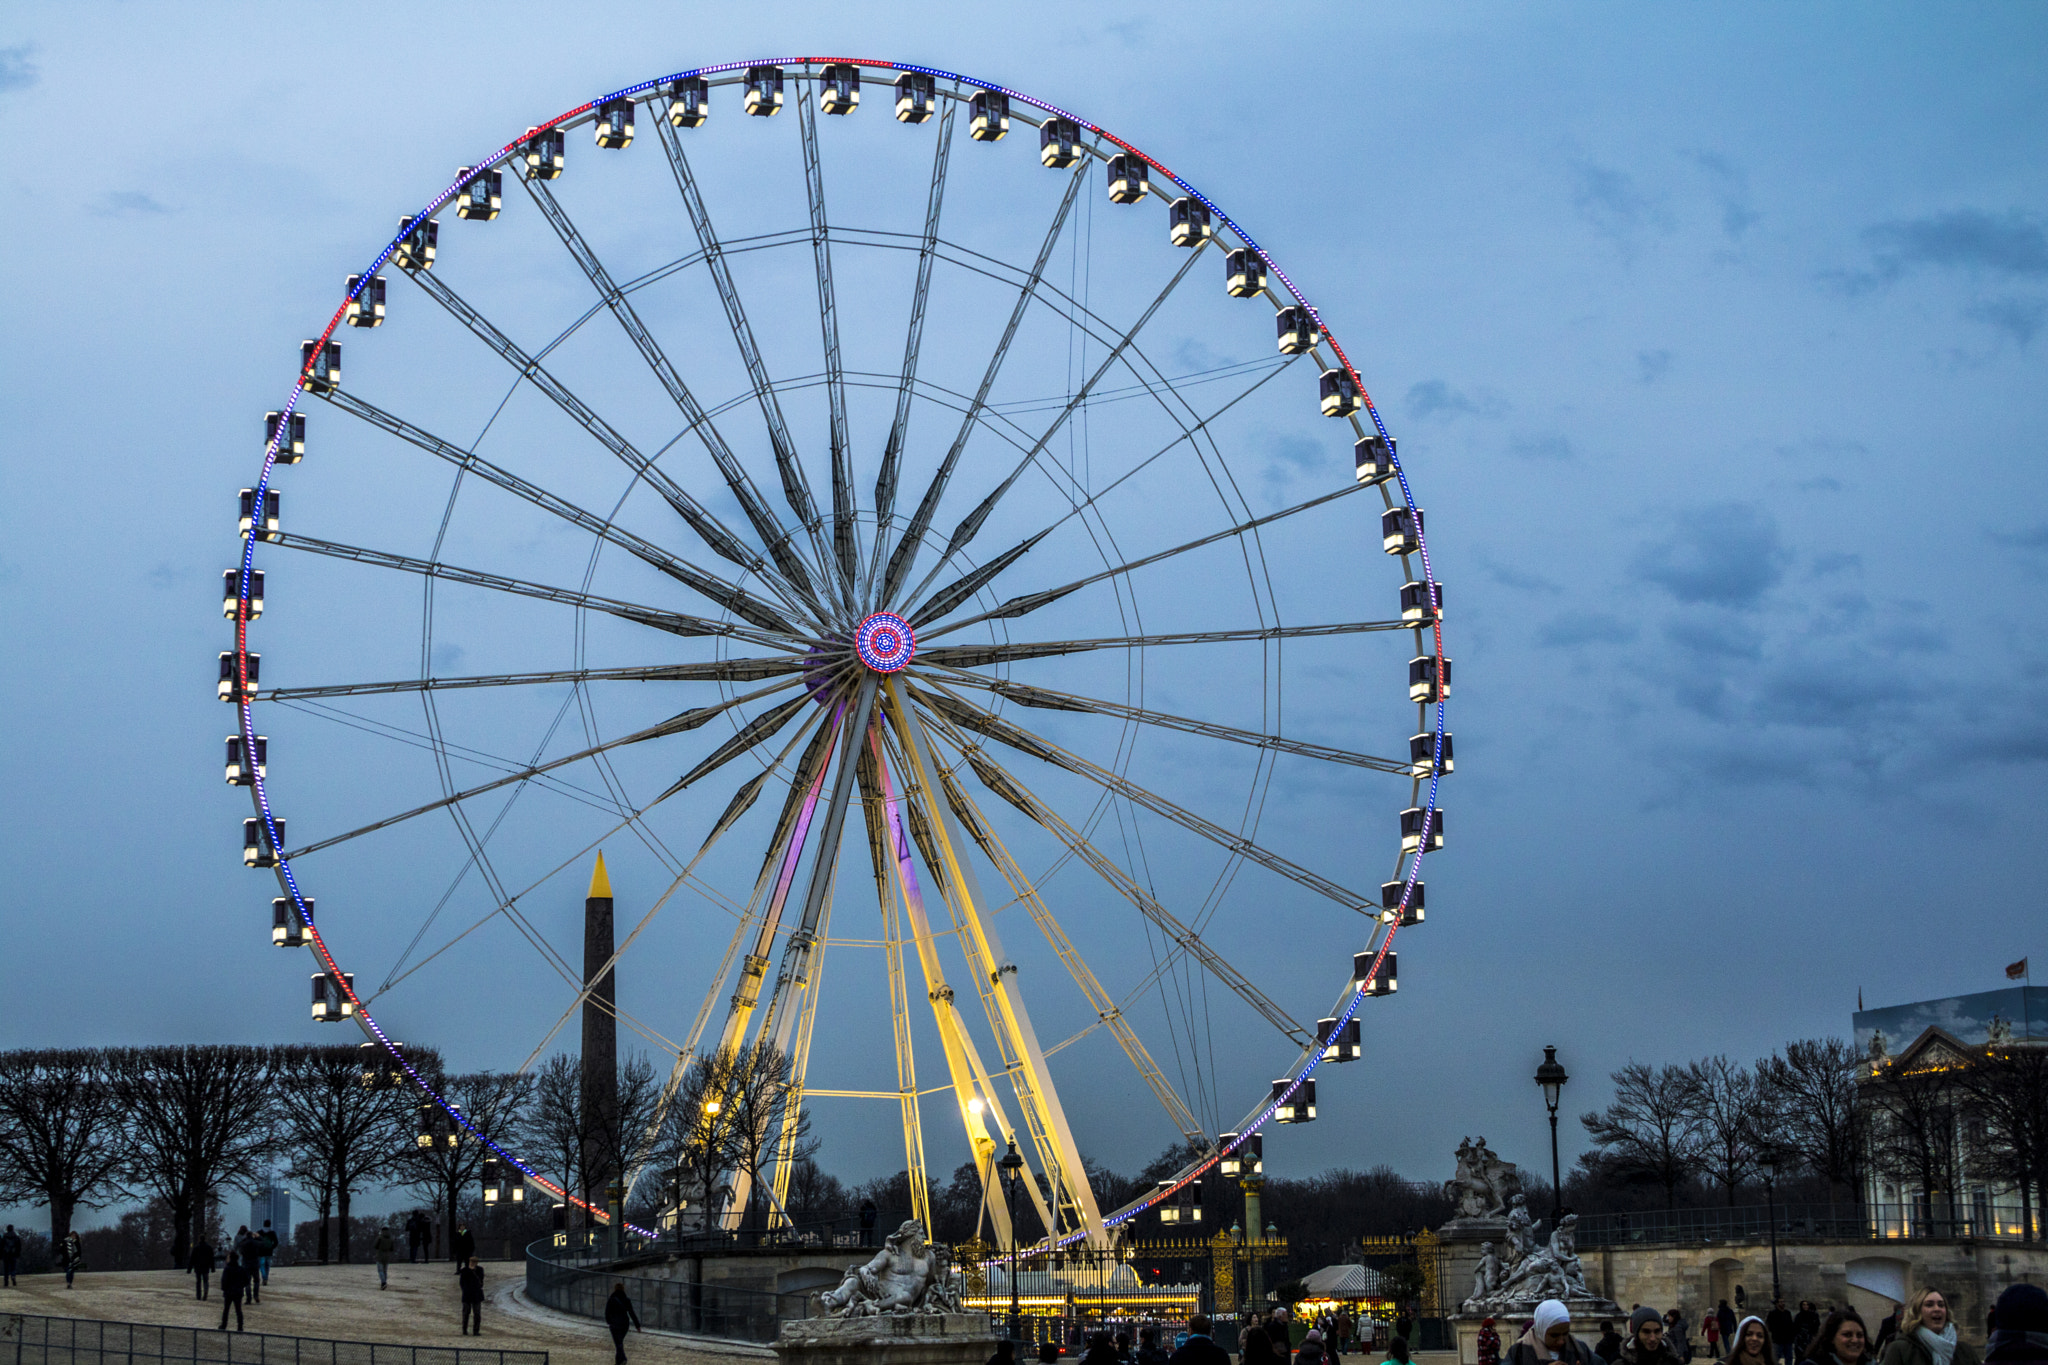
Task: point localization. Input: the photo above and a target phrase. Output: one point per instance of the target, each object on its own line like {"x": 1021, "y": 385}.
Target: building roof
{"x": 1342, "y": 1282}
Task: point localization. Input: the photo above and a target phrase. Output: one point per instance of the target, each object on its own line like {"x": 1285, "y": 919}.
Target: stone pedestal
{"x": 907, "y": 1339}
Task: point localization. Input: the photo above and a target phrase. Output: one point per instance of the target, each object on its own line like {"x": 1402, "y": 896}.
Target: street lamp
{"x": 1012, "y": 1167}
{"x": 1551, "y": 1077}
{"x": 1767, "y": 1166}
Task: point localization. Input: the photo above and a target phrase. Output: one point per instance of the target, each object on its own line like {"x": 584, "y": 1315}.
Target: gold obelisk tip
{"x": 600, "y": 885}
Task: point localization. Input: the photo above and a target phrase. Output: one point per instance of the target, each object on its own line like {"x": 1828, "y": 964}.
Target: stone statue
{"x": 1521, "y": 1231}
{"x": 1486, "y": 1279}
{"x": 908, "y": 1275}
{"x": 1877, "y": 1045}
{"x": 2000, "y": 1033}
{"x": 1484, "y": 1184}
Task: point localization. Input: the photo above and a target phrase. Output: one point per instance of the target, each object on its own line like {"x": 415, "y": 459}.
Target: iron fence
{"x": 26, "y": 1339}
{"x": 1809, "y": 1223}
{"x": 554, "y": 1280}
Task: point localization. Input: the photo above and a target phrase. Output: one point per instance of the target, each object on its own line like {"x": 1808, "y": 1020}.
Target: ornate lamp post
{"x": 1012, "y": 1167}
{"x": 1767, "y": 1166}
{"x": 1551, "y": 1077}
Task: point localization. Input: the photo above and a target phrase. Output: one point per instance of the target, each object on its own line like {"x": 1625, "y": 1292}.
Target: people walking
{"x": 471, "y": 1277}
{"x": 1149, "y": 1350}
{"x": 1928, "y": 1335}
{"x": 71, "y": 1257}
{"x": 413, "y": 1237}
{"x": 1778, "y": 1322}
{"x": 1678, "y": 1336}
{"x": 1648, "y": 1342}
{"x": 266, "y": 1240}
{"x": 1806, "y": 1326}
{"x": 1843, "y": 1340}
{"x": 2019, "y": 1327}
{"x": 1608, "y": 1347}
{"x": 1710, "y": 1330}
{"x": 1726, "y": 1317}
{"x": 234, "y": 1285}
{"x": 1311, "y": 1352}
{"x": 1549, "y": 1337}
{"x": 201, "y": 1262}
{"x": 618, "y": 1311}
{"x": 249, "y": 1251}
{"x": 384, "y": 1245}
{"x": 463, "y": 1248}
{"x": 1200, "y": 1349}
{"x": 1750, "y": 1343}
{"x": 10, "y": 1252}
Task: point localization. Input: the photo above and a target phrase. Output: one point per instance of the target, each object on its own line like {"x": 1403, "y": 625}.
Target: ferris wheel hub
{"x": 885, "y": 642}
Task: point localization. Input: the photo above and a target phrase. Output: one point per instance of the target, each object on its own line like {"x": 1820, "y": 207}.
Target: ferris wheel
{"x": 868, "y": 473}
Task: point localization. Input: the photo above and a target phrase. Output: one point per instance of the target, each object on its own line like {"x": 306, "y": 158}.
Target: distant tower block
{"x": 600, "y": 1035}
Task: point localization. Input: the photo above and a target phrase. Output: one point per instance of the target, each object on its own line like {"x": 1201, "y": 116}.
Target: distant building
{"x": 1906, "y": 1053}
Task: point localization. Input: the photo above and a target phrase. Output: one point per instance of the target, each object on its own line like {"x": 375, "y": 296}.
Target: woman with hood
{"x": 1843, "y": 1340}
{"x": 1311, "y": 1352}
{"x": 1750, "y": 1342}
{"x": 1927, "y": 1336}
{"x": 1549, "y": 1337}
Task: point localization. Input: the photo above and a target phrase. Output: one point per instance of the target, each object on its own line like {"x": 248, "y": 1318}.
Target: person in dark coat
{"x": 1726, "y": 1317}
{"x": 71, "y": 1256}
{"x": 2019, "y": 1327}
{"x": 201, "y": 1262}
{"x": 250, "y": 1254}
{"x": 1647, "y": 1342}
{"x": 1199, "y": 1349}
{"x": 234, "y": 1283}
{"x": 1806, "y": 1326}
{"x": 618, "y": 1311}
{"x": 1149, "y": 1350}
{"x": 1101, "y": 1350}
{"x": 1549, "y": 1337}
{"x": 1778, "y": 1322}
{"x": 1608, "y": 1348}
{"x": 471, "y": 1277}
{"x": 10, "y": 1252}
{"x": 1006, "y": 1353}
{"x": 464, "y": 1245}
{"x": 1258, "y": 1348}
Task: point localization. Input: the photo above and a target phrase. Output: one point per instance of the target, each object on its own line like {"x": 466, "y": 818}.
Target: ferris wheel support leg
{"x": 987, "y": 948}
{"x": 875, "y": 814}
{"x": 963, "y": 1064}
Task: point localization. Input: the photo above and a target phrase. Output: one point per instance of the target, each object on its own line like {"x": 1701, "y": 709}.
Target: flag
{"x": 2015, "y": 970}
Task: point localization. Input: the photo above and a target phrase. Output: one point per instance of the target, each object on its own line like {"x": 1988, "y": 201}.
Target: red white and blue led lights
{"x": 878, "y": 644}
{"x": 885, "y": 642}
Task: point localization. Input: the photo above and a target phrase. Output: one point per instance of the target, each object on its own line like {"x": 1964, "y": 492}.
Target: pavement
{"x": 342, "y": 1302}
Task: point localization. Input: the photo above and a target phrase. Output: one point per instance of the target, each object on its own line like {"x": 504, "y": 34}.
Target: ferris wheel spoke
{"x": 716, "y": 670}
{"x": 899, "y": 428}
{"x": 971, "y": 524}
{"x": 707, "y": 526}
{"x": 845, "y": 544}
{"x": 674, "y": 725}
{"x": 796, "y": 488}
{"x": 984, "y": 723}
{"x": 1107, "y": 1011}
{"x": 974, "y": 656}
{"x": 907, "y": 546}
{"x": 1032, "y": 601}
{"x": 675, "y": 623}
{"x": 1046, "y": 698}
{"x": 756, "y": 731}
{"x": 736, "y": 478}
{"x": 732, "y": 598}
{"x": 1007, "y": 785}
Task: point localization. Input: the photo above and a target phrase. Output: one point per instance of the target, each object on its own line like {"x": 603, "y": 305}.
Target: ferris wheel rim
{"x": 1299, "y": 1072}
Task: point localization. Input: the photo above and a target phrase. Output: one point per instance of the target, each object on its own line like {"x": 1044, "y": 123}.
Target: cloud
{"x": 1737, "y": 217}
{"x": 18, "y": 70}
{"x": 1652, "y": 365}
{"x": 1613, "y": 203}
{"x": 1551, "y": 447}
{"x": 1586, "y": 628}
{"x": 2020, "y": 318}
{"x": 1727, "y": 554}
{"x": 1433, "y": 396}
{"x": 1291, "y": 455}
{"x": 2011, "y": 244}
{"x": 2027, "y": 538}
{"x": 1515, "y": 578}
{"x": 126, "y": 204}
{"x": 1823, "y": 484}
{"x": 1834, "y": 563}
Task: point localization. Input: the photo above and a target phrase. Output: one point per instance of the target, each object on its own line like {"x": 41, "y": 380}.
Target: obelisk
{"x": 600, "y": 1039}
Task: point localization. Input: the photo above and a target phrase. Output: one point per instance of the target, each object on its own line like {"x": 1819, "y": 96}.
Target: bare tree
{"x": 61, "y": 1143}
{"x": 345, "y": 1124}
{"x": 696, "y": 1148}
{"x": 1723, "y": 1097}
{"x": 1916, "y": 1134}
{"x": 554, "y": 1125}
{"x": 814, "y": 1195}
{"x": 199, "y": 1117}
{"x": 764, "y": 1122}
{"x": 491, "y": 1103}
{"x": 1650, "y": 1133}
{"x": 616, "y": 1132}
{"x": 2006, "y": 1093}
{"x": 1811, "y": 1111}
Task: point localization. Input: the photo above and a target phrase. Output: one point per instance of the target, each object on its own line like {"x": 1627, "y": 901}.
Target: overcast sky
{"x": 1711, "y": 337}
